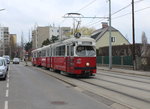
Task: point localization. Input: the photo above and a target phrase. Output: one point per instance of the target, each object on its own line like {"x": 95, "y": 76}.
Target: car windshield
{"x": 1, "y": 62}
{"x": 85, "y": 51}
{"x": 16, "y": 59}
{"x": 6, "y": 57}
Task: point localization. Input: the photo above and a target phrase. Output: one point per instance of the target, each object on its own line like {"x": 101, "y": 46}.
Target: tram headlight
{"x": 87, "y": 64}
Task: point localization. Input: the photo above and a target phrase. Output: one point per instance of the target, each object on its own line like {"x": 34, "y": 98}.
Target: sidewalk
{"x": 119, "y": 70}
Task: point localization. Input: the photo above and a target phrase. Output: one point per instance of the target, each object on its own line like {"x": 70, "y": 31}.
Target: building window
{"x": 113, "y": 39}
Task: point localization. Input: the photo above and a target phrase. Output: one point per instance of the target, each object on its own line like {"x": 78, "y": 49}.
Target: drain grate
{"x": 58, "y": 102}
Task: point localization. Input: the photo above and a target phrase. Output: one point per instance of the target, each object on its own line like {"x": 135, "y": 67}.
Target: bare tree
{"x": 144, "y": 51}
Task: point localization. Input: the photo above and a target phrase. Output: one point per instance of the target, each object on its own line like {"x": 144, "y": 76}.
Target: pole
{"x": 110, "y": 45}
{"x": 133, "y": 35}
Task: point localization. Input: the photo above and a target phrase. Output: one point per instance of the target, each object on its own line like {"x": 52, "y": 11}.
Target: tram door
{"x": 70, "y": 59}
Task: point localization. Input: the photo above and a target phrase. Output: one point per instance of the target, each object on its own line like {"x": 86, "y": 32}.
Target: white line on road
{"x": 7, "y": 85}
{"x": 7, "y": 93}
{"x": 8, "y": 80}
{"x": 6, "y": 105}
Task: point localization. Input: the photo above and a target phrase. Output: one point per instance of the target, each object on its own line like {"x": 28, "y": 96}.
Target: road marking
{"x": 8, "y": 80}
{"x": 7, "y": 93}
{"x": 8, "y": 75}
{"x": 7, "y": 85}
{"x": 6, "y": 105}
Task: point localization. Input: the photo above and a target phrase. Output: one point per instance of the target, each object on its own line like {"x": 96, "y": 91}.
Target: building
{"x": 64, "y": 32}
{"x": 13, "y": 39}
{"x": 13, "y": 45}
{"x": 4, "y": 41}
{"x": 53, "y": 32}
{"x": 40, "y": 34}
{"x": 102, "y": 36}
{"x": 1, "y": 42}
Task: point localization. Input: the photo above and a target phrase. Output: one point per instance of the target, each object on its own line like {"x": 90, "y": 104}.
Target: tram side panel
{"x": 70, "y": 65}
{"x": 48, "y": 62}
{"x": 59, "y": 63}
{"x": 39, "y": 61}
{"x": 43, "y": 61}
{"x": 34, "y": 61}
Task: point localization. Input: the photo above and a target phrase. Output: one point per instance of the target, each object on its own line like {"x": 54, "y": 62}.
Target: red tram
{"x": 75, "y": 56}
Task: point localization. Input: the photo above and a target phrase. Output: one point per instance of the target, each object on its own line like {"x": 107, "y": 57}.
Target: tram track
{"x": 116, "y": 91}
{"x": 125, "y": 85}
{"x": 114, "y": 76}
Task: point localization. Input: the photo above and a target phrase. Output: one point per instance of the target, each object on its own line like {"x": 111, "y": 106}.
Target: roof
{"x": 100, "y": 32}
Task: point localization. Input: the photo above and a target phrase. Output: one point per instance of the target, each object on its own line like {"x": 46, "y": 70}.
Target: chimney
{"x": 104, "y": 24}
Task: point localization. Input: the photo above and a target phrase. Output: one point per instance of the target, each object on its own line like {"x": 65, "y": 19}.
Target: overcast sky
{"x": 21, "y": 15}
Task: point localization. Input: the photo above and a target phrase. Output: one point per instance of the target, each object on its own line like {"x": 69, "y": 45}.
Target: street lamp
{"x": 2, "y": 9}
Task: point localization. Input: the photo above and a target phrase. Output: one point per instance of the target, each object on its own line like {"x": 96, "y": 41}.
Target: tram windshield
{"x": 85, "y": 51}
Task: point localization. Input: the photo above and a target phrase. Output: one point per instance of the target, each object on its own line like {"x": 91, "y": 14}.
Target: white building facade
{"x": 40, "y": 34}
{"x": 4, "y": 41}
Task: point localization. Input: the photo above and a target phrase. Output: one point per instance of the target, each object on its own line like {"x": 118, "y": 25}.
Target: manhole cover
{"x": 58, "y": 102}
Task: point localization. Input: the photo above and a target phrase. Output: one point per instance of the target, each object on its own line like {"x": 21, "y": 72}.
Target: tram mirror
{"x": 73, "y": 44}
{"x": 77, "y": 35}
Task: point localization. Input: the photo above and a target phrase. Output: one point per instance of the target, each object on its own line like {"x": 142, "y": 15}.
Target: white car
{"x": 3, "y": 68}
{"x": 7, "y": 58}
{"x": 16, "y": 61}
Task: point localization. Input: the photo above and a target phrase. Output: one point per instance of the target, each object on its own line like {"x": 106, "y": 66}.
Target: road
{"x": 28, "y": 88}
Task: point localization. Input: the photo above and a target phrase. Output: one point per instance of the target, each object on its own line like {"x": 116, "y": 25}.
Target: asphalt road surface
{"x": 27, "y": 88}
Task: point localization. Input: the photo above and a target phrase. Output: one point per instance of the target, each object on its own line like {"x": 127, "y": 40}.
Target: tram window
{"x": 85, "y": 51}
{"x": 47, "y": 52}
{"x": 43, "y": 53}
{"x": 57, "y": 51}
{"x": 39, "y": 54}
{"x": 36, "y": 55}
{"x": 60, "y": 51}
{"x": 54, "y": 51}
{"x": 67, "y": 50}
{"x": 72, "y": 50}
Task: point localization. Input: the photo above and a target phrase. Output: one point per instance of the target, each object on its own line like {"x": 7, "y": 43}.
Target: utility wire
{"x": 126, "y": 7}
{"x": 121, "y": 9}
{"x": 80, "y": 9}
{"x": 119, "y": 16}
{"x": 87, "y": 5}
{"x": 130, "y": 13}
{"x": 118, "y": 12}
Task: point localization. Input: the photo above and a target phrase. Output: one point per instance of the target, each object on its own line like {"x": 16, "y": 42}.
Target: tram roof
{"x": 79, "y": 39}
{"x": 67, "y": 41}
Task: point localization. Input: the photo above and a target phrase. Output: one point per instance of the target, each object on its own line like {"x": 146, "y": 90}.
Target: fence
{"x": 116, "y": 60}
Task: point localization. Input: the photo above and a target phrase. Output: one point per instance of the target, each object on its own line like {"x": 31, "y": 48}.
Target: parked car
{"x": 3, "y": 68}
{"x": 16, "y": 61}
{"x": 7, "y": 57}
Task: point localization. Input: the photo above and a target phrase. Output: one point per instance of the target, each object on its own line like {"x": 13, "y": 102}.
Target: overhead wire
{"x": 131, "y": 13}
{"x": 80, "y": 9}
{"x": 118, "y": 12}
{"x": 87, "y": 5}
